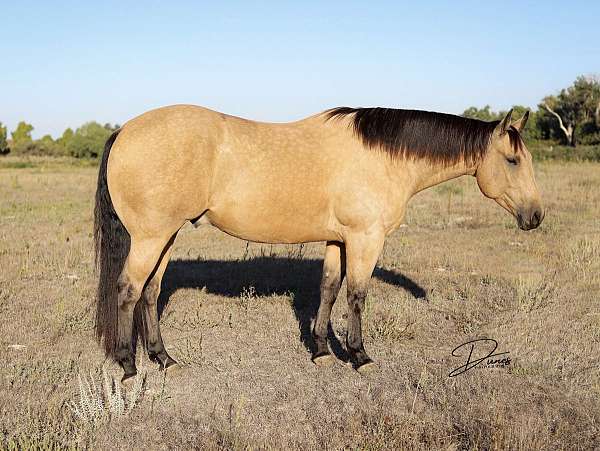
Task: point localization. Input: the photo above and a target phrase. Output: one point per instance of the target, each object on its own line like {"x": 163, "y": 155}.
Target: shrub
{"x": 102, "y": 402}
{"x": 88, "y": 140}
{"x": 549, "y": 151}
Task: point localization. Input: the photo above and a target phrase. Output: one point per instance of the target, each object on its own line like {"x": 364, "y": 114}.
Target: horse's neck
{"x": 428, "y": 174}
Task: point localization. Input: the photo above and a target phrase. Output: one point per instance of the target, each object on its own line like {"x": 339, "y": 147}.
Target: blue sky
{"x": 65, "y": 63}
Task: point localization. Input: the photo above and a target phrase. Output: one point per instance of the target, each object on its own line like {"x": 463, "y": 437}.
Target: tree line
{"x": 571, "y": 117}
{"x": 86, "y": 141}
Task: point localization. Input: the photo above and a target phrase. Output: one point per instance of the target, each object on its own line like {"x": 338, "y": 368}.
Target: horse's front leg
{"x": 362, "y": 252}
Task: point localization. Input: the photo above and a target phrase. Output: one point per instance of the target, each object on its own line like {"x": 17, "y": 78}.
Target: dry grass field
{"x": 237, "y": 315}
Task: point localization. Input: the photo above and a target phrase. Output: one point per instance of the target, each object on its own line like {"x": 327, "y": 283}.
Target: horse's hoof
{"x": 127, "y": 380}
{"x": 323, "y": 360}
{"x": 171, "y": 367}
{"x": 367, "y": 367}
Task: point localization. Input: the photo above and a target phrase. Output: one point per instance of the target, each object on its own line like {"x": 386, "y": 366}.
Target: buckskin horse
{"x": 343, "y": 176}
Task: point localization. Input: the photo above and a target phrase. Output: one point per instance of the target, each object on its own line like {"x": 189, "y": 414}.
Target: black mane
{"x": 438, "y": 137}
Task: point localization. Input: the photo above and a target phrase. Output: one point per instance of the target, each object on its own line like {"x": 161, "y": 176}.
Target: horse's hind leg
{"x": 334, "y": 269}
{"x": 153, "y": 340}
{"x": 141, "y": 261}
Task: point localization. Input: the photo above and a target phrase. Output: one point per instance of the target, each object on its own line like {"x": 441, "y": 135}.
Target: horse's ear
{"x": 520, "y": 124}
{"x": 504, "y": 124}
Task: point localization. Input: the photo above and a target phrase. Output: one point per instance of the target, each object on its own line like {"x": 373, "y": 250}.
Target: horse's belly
{"x": 272, "y": 227}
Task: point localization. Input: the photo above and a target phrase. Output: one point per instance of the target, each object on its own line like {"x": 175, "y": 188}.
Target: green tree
{"x": 3, "y": 140}
{"x": 65, "y": 139}
{"x": 22, "y": 142}
{"x": 484, "y": 114}
{"x": 88, "y": 140}
{"x": 47, "y": 146}
{"x": 22, "y": 133}
{"x": 575, "y": 111}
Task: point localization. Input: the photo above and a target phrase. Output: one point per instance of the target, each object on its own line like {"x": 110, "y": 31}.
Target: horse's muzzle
{"x": 531, "y": 219}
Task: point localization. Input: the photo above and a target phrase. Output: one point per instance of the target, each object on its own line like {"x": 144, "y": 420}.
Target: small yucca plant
{"x": 97, "y": 403}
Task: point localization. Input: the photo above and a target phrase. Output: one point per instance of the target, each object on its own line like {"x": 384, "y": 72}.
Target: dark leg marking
{"x": 333, "y": 274}
{"x": 154, "y": 343}
{"x": 125, "y": 352}
{"x": 354, "y": 341}
{"x": 329, "y": 291}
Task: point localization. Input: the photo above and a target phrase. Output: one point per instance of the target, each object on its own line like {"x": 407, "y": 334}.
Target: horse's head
{"x": 506, "y": 174}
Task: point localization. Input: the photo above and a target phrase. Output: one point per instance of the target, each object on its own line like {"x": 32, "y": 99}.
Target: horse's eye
{"x": 512, "y": 160}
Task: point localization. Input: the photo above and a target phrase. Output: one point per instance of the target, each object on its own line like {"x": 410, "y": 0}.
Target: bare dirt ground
{"x": 237, "y": 316}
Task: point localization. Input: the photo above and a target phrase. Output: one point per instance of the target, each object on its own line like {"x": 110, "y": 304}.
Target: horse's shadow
{"x": 268, "y": 276}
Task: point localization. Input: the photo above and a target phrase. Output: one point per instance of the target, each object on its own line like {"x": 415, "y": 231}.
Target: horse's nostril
{"x": 536, "y": 219}
{"x": 519, "y": 219}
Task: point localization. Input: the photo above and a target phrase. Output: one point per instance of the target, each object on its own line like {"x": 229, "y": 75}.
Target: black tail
{"x": 112, "y": 244}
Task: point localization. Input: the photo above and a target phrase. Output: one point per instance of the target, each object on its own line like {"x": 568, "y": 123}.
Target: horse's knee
{"x": 330, "y": 283}
{"x": 356, "y": 300}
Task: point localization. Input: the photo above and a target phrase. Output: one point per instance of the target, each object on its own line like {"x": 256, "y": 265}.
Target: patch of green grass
{"x": 543, "y": 150}
{"x": 18, "y": 164}
{"x": 46, "y": 162}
